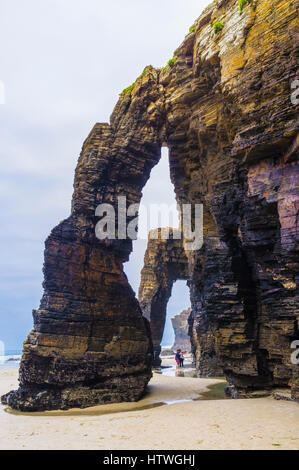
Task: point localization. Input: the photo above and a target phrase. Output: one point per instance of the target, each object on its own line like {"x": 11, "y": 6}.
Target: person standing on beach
{"x": 177, "y": 358}
{"x": 181, "y": 359}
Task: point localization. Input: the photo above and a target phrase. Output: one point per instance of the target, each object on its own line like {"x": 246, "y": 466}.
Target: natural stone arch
{"x": 165, "y": 262}
{"x": 90, "y": 343}
{"x": 223, "y": 108}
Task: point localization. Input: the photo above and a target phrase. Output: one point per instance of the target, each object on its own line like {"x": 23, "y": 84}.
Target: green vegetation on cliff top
{"x": 128, "y": 91}
{"x": 218, "y": 26}
{"x": 172, "y": 61}
{"x": 170, "y": 64}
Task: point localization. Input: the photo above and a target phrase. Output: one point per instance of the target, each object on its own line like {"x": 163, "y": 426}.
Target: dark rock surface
{"x": 224, "y": 110}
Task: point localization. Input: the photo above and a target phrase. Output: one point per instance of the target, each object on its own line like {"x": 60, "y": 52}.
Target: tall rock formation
{"x": 223, "y": 107}
{"x": 181, "y": 328}
{"x": 165, "y": 262}
{"x": 203, "y": 348}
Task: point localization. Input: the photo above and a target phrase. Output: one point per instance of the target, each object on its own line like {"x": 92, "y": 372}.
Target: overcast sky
{"x": 63, "y": 64}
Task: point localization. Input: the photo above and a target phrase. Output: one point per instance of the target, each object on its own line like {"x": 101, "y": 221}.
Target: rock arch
{"x": 90, "y": 343}
{"x": 180, "y": 324}
{"x": 165, "y": 262}
{"x": 223, "y": 107}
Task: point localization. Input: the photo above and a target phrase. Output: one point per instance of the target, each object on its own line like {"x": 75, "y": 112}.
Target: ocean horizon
{"x": 11, "y": 358}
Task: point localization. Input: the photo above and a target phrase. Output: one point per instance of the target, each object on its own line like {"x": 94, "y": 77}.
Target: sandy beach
{"x": 172, "y": 404}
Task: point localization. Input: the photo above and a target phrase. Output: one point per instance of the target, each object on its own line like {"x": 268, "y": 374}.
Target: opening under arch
{"x": 158, "y": 190}
{"x": 178, "y": 302}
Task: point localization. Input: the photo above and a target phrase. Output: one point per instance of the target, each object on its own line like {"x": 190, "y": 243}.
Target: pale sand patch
{"x": 222, "y": 424}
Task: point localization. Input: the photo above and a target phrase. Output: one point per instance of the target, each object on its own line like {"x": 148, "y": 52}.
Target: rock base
{"x": 123, "y": 389}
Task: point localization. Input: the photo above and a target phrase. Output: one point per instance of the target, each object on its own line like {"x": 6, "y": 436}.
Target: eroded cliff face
{"x": 242, "y": 163}
{"x": 223, "y": 108}
{"x": 165, "y": 262}
{"x": 180, "y": 325}
{"x": 90, "y": 342}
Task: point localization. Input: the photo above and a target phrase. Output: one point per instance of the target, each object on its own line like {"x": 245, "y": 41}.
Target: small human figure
{"x": 181, "y": 359}
{"x": 177, "y": 358}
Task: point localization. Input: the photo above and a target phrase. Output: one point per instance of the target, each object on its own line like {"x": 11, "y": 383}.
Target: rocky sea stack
{"x": 223, "y": 108}
{"x": 181, "y": 329}
{"x": 165, "y": 262}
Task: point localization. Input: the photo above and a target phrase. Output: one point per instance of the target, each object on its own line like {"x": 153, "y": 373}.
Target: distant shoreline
{"x": 10, "y": 360}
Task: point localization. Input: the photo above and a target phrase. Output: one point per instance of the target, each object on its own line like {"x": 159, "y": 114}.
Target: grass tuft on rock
{"x": 128, "y": 91}
{"x": 218, "y": 26}
{"x": 242, "y": 4}
{"x": 172, "y": 62}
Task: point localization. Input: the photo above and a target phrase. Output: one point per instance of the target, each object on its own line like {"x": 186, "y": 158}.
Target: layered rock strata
{"x": 203, "y": 348}
{"x": 226, "y": 109}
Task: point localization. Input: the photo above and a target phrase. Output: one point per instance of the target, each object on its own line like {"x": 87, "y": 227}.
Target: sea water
{"x": 9, "y": 358}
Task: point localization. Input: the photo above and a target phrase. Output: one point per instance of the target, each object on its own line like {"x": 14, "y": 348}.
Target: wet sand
{"x": 195, "y": 407}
